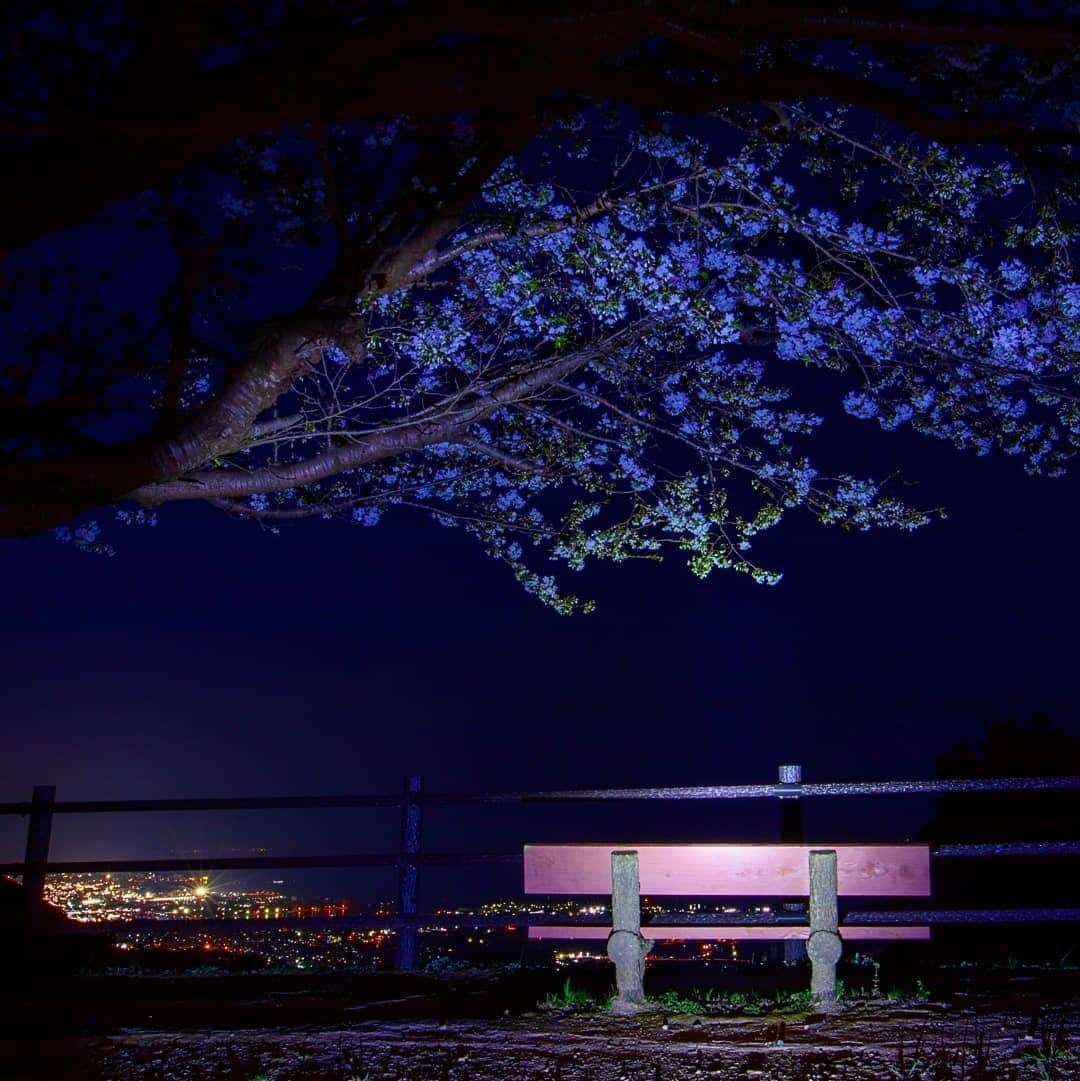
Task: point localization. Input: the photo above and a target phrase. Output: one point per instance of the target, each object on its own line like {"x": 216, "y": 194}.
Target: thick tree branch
{"x": 38, "y": 493}
{"x": 347, "y": 255}
{"x": 401, "y": 68}
{"x": 397, "y": 265}
{"x": 193, "y": 267}
{"x": 450, "y": 427}
{"x": 900, "y": 27}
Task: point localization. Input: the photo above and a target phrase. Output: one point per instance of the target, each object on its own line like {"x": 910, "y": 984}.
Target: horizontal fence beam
{"x": 582, "y": 795}
{"x": 961, "y": 916}
{"x": 940, "y": 787}
{"x": 452, "y": 859}
{"x": 1008, "y": 848}
{"x": 434, "y": 920}
{"x": 787, "y": 791}
{"x": 237, "y": 803}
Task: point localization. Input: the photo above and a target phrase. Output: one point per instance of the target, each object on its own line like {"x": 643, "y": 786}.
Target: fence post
{"x": 625, "y": 946}
{"x": 408, "y": 871}
{"x": 792, "y": 832}
{"x": 37, "y": 850}
{"x": 823, "y": 945}
{"x": 791, "y": 805}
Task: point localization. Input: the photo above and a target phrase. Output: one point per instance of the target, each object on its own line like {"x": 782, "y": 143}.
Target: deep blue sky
{"x": 210, "y": 658}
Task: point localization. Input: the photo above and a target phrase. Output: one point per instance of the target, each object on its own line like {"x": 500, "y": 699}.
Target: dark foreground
{"x": 1026, "y": 1036}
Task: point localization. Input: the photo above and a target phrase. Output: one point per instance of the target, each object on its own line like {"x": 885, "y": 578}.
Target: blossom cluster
{"x": 684, "y": 301}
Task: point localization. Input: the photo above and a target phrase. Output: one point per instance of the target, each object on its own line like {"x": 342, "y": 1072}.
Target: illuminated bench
{"x": 817, "y": 872}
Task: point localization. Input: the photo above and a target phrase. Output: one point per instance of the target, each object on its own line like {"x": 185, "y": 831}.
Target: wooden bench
{"x": 820, "y": 873}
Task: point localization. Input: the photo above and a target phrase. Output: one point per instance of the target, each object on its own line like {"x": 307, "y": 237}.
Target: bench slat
{"x": 729, "y": 870}
{"x": 689, "y": 933}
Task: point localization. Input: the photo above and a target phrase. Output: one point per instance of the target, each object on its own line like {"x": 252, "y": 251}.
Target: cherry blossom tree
{"x": 581, "y": 289}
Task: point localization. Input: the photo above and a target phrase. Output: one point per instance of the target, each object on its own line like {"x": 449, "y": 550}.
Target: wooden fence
{"x": 789, "y": 791}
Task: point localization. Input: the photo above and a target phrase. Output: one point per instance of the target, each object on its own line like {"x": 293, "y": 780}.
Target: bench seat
{"x": 725, "y": 871}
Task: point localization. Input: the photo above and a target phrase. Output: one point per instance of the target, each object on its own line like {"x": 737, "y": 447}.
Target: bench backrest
{"x": 729, "y": 870}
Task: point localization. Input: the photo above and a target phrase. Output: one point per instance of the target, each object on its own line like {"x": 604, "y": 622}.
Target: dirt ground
{"x": 971, "y": 1040}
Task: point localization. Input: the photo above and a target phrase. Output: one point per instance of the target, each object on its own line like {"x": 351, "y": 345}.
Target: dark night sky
{"x": 208, "y": 658}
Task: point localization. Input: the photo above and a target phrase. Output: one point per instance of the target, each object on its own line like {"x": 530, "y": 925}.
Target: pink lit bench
{"x": 821, "y": 873}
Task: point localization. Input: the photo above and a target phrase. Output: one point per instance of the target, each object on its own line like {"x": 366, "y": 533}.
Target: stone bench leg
{"x": 823, "y": 946}
{"x": 625, "y": 946}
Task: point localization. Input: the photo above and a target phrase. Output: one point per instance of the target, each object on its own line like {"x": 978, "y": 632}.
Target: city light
{"x": 169, "y": 912}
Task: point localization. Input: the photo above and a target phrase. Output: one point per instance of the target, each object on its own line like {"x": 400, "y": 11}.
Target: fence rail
{"x": 790, "y": 791}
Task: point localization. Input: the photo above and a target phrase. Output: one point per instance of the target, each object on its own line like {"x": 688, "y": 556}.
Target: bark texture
{"x": 626, "y": 948}
{"x": 823, "y": 947}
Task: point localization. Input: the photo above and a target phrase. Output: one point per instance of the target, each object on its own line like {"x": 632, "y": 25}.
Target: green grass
{"x": 673, "y": 1002}
{"x": 569, "y": 998}
{"x": 718, "y": 1003}
{"x": 722, "y": 1003}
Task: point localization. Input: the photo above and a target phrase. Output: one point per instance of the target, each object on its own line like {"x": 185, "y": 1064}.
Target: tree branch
{"x": 399, "y": 67}
{"x": 518, "y": 465}
{"x": 375, "y": 446}
{"x": 899, "y": 26}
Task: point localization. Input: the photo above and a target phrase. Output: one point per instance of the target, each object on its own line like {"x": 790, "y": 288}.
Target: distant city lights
{"x": 255, "y": 931}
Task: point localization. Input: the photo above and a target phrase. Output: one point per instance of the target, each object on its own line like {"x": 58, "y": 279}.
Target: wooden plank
{"x": 729, "y": 870}
{"x": 740, "y": 934}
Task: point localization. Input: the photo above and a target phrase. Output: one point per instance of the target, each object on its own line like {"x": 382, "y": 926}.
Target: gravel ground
{"x": 973, "y": 1041}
